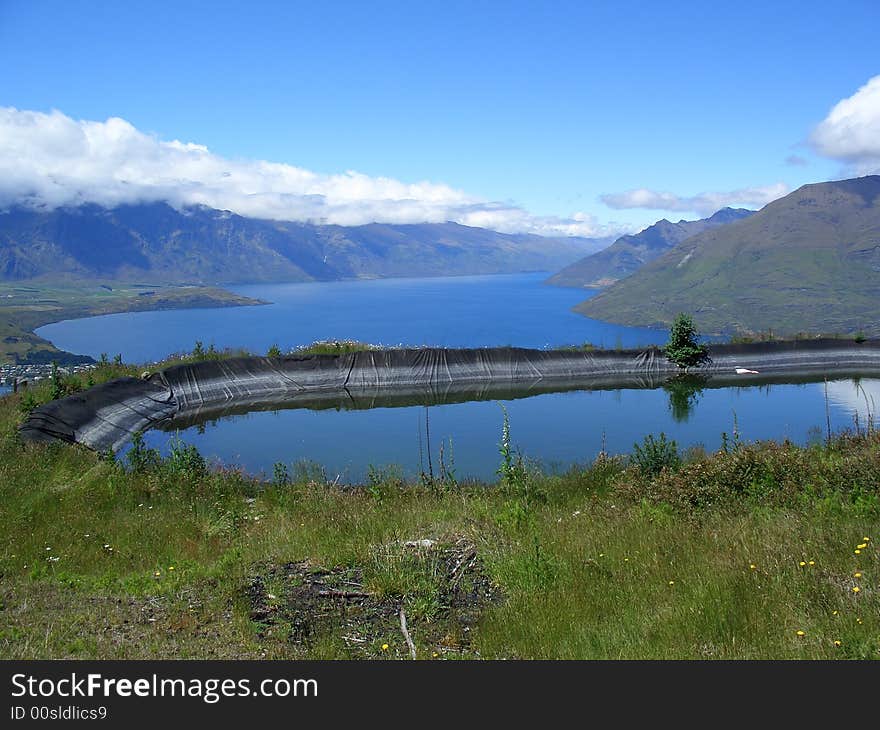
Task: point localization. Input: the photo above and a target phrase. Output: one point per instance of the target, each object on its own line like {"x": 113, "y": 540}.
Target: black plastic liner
{"x": 106, "y": 416}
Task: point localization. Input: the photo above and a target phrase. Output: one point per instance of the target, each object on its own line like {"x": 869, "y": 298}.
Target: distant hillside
{"x": 807, "y": 262}
{"x": 629, "y": 253}
{"x": 155, "y": 242}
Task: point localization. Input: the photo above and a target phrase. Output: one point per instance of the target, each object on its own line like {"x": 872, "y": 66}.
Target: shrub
{"x": 62, "y": 385}
{"x": 655, "y": 455}
{"x": 139, "y": 457}
{"x": 382, "y": 481}
{"x": 280, "y": 474}
{"x": 185, "y": 460}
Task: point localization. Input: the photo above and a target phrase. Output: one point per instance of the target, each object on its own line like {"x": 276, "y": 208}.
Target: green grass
{"x": 335, "y": 347}
{"x": 702, "y": 560}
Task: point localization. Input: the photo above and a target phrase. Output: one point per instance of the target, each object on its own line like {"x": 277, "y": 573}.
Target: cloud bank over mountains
{"x": 51, "y": 160}
{"x": 703, "y": 203}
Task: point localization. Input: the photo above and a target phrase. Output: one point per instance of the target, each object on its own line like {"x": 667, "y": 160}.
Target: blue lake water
{"x": 554, "y": 430}
{"x": 467, "y": 311}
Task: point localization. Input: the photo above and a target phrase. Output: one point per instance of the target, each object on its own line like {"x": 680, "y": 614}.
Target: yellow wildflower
{"x": 857, "y": 552}
{"x": 856, "y": 589}
{"x": 812, "y": 562}
{"x": 802, "y": 563}
{"x": 857, "y": 575}
{"x": 862, "y": 545}
{"x": 752, "y": 566}
{"x": 837, "y": 642}
{"x": 800, "y": 633}
{"x": 384, "y": 647}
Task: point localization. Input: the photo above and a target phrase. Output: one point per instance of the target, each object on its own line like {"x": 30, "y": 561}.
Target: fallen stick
{"x": 409, "y": 641}
{"x": 343, "y": 594}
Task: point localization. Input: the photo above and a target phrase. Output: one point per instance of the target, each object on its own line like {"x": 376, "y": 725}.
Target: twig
{"x": 827, "y": 413}
{"x": 421, "y": 455}
{"x": 332, "y": 593}
{"x": 468, "y": 557}
{"x": 409, "y": 641}
{"x": 428, "y": 445}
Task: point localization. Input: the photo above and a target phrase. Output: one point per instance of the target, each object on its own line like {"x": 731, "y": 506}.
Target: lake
{"x": 466, "y": 311}
{"x": 554, "y": 430}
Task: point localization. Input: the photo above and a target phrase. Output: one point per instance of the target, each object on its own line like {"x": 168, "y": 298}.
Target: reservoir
{"x": 552, "y": 430}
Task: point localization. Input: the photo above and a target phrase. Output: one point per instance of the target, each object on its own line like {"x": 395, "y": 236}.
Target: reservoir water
{"x": 553, "y": 430}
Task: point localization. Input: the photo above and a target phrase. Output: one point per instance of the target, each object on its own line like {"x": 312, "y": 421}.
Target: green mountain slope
{"x": 808, "y": 262}
{"x": 155, "y": 242}
{"x": 629, "y": 253}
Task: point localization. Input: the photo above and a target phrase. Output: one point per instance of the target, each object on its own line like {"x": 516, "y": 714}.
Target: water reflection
{"x": 859, "y": 397}
{"x": 684, "y": 394}
{"x": 554, "y": 426}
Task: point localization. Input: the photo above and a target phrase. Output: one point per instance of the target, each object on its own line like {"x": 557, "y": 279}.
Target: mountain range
{"x": 629, "y": 253}
{"x": 807, "y": 262}
{"x": 154, "y": 242}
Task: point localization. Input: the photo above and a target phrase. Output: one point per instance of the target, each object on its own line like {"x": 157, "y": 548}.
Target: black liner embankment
{"x": 105, "y": 416}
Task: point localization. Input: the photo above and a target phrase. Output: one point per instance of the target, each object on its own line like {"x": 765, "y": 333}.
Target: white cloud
{"x": 52, "y": 160}
{"x": 703, "y": 204}
{"x": 851, "y": 131}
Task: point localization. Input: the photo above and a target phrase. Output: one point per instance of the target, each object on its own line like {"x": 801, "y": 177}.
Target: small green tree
{"x": 683, "y": 347}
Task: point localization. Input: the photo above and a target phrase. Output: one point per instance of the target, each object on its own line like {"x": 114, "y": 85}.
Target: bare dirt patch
{"x": 442, "y": 589}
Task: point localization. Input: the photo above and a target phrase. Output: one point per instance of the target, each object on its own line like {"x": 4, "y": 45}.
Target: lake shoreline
{"x": 28, "y": 306}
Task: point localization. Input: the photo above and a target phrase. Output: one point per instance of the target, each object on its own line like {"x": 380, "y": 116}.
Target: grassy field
{"x": 756, "y": 551}
{"x": 25, "y": 306}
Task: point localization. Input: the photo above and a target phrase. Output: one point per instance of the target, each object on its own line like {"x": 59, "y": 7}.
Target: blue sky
{"x": 544, "y": 107}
